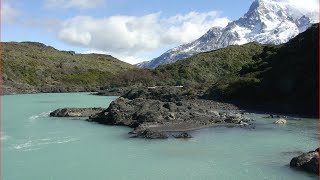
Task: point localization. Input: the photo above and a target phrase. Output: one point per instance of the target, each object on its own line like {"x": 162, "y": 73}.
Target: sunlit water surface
{"x": 38, "y": 147}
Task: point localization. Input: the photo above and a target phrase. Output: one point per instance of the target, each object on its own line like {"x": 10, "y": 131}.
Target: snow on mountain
{"x": 267, "y": 22}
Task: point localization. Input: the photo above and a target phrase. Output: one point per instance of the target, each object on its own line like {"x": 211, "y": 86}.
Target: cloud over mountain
{"x": 131, "y": 35}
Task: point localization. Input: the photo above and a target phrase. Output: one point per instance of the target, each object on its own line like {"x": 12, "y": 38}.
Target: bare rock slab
{"x": 307, "y": 162}
{"x": 76, "y": 112}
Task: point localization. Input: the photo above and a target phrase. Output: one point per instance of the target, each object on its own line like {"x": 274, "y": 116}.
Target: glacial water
{"x": 38, "y": 147}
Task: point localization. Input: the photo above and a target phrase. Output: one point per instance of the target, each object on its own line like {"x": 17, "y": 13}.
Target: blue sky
{"x": 131, "y": 30}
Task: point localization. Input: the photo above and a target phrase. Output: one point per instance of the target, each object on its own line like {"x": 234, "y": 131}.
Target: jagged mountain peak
{"x": 266, "y": 21}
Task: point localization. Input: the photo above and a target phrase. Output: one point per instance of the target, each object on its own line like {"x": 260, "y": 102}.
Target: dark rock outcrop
{"x": 155, "y": 112}
{"x": 76, "y": 112}
{"x": 152, "y": 112}
{"x": 135, "y": 112}
{"x": 162, "y": 93}
{"x": 149, "y": 134}
{"x": 112, "y": 91}
{"x": 307, "y": 161}
{"x": 183, "y": 135}
{"x": 280, "y": 121}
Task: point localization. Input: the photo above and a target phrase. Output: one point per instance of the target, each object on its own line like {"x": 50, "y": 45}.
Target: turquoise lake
{"x": 38, "y": 147}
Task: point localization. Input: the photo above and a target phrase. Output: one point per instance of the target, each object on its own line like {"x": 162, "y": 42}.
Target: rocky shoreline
{"x": 151, "y": 111}
{"x": 76, "y": 112}
{"x": 161, "y": 113}
{"x": 154, "y": 113}
{"x": 147, "y": 123}
{"x": 21, "y": 88}
{"x": 120, "y": 91}
{"x": 149, "y": 117}
{"x": 266, "y": 108}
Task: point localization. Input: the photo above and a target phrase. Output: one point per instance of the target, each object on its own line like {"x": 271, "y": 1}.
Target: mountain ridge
{"x": 266, "y": 22}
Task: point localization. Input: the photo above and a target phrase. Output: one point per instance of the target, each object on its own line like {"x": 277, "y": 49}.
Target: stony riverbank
{"x": 153, "y": 112}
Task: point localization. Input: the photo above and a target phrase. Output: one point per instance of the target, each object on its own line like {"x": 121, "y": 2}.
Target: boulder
{"x": 235, "y": 118}
{"x": 216, "y": 113}
{"x": 307, "y": 161}
{"x": 76, "y": 112}
{"x": 183, "y": 135}
{"x": 243, "y": 124}
{"x": 280, "y": 121}
{"x": 149, "y": 134}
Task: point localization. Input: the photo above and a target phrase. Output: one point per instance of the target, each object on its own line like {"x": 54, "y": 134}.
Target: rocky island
{"x": 156, "y": 111}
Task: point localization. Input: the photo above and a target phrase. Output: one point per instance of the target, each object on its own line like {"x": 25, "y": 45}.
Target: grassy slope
{"x": 285, "y": 76}
{"x": 38, "y": 65}
{"x": 208, "y": 67}
{"x": 267, "y": 75}
{"x": 197, "y": 71}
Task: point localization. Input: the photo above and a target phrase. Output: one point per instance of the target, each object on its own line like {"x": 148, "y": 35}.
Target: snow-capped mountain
{"x": 267, "y": 22}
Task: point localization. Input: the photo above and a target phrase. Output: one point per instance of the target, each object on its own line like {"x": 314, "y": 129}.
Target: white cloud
{"x": 76, "y": 4}
{"x": 73, "y": 36}
{"x": 131, "y": 36}
{"x": 309, "y": 8}
{"x": 8, "y": 13}
{"x": 128, "y": 59}
{"x": 305, "y": 5}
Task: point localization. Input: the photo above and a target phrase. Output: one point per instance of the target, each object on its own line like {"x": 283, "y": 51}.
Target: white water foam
{"x": 30, "y": 149}
{"x": 34, "y": 117}
{"x": 4, "y": 136}
{"x": 37, "y": 144}
{"x": 23, "y": 145}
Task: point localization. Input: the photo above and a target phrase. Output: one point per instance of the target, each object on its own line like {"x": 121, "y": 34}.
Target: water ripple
{"x": 31, "y": 145}
{"x": 34, "y": 117}
{"x": 4, "y": 137}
